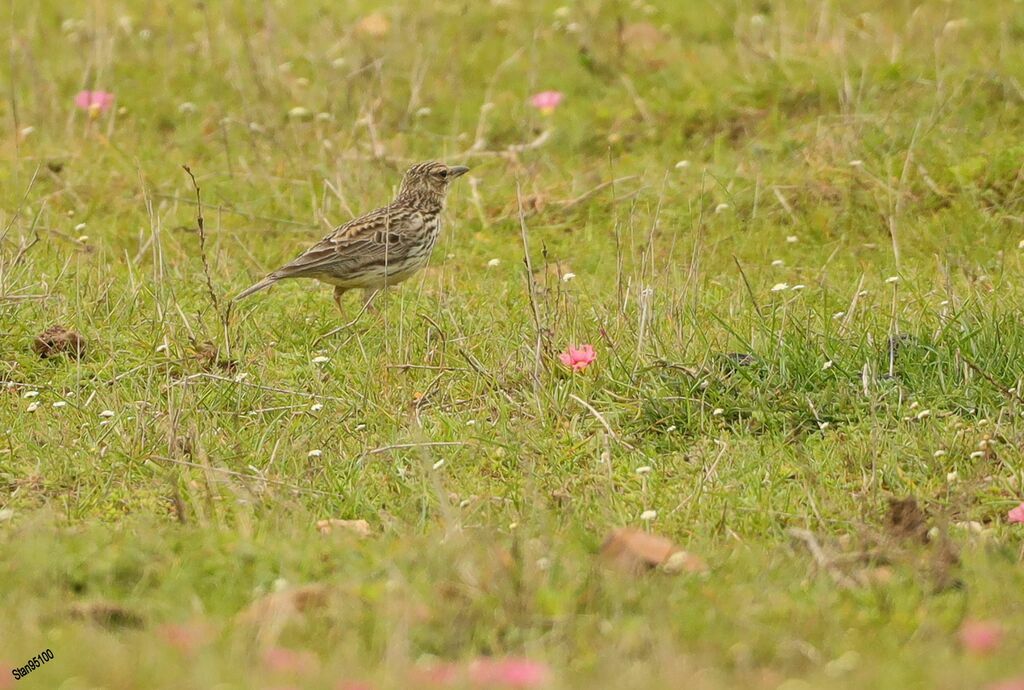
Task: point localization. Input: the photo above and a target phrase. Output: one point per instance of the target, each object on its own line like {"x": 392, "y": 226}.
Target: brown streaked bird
{"x": 381, "y": 248}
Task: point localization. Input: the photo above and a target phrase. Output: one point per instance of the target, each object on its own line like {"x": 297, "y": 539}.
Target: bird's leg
{"x": 338, "y": 292}
{"x": 368, "y": 296}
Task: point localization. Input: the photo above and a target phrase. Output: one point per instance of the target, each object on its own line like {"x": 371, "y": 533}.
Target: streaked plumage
{"x": 383, "y": 247}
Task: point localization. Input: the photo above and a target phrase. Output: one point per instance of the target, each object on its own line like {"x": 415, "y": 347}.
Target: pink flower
{"x": 508, "y": 673}
{"x": 1009, "y": 684}
{"x": 1016, "y": 515}
{"x": 187, "y": 638}
{"x": 282, "y": 660}
{"x": 485, "y": 673}
{"x": 546, "y": 101}
{"x": 94, "y": 101}
{"x": 981, "y": 637}
{"x": 578, "y": 359}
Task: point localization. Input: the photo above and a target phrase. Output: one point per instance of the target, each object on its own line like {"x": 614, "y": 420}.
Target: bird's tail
{"x": 262, "y": 285}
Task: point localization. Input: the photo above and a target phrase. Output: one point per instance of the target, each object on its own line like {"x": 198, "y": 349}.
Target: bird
{"x": 381, "y": 248}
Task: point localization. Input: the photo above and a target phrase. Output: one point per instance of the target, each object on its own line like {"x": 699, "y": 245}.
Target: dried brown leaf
{"x": 635, "y": 551}
{"x": 358, "y": 527}
{"x": 374, "y": 25}
{"x": 208, "y": 356}
{"x": 58, "y": 340}
{"x": 906, "y": 520}
{"x": 641, "y": 37}
{"x": 284, "y": 605}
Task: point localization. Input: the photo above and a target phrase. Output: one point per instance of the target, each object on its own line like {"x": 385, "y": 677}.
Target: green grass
{"x": 830, "y": 145}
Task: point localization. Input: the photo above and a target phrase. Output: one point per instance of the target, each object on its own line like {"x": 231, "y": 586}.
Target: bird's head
{"x": 427, "y": 183}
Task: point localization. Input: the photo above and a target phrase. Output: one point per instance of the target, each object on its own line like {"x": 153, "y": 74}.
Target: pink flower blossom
{"x": 282, "y": 660}
{"x": 981, "y": 637}
{"x": 1009, "y": 684}
{"x": 94, "y": 101}
{"x": 578, "y": 359}
{"x": 485, "y": 673}
{"x": 187, "y": 638}
{"x": 508, "y": 673}
{"x": 546, "y": 101}
{"x": 1016, "y": 515}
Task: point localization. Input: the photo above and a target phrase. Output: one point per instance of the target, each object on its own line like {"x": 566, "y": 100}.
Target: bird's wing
{"x": 363, "y": 240}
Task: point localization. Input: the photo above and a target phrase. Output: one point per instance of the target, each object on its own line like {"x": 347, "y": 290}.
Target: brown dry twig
{"x": 200, "y": 224}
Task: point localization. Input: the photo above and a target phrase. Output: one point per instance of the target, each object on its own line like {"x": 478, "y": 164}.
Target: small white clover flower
{"x": 316, "y": 453}
{"x": 892, "y": 279}
{"x": 827, "y": 365}
{"x": 316, "y": 407}
{"x": 779, "y": 287}
{"x": 30, "y": 394}
{"x": 939, "y": 453}
{"x": 493, "y": 263}
{"x": 107, "y": 414}
{"x": 721, "y": 208}
{"x": 778, "y": 263}
{"x": 792, "y": 238}
{"x": 648, "y": 515}
{"x": 32, "y": 407}
{"x": 320, "y": 359}
{"x": 684, "y": 164}
{"x": 646, "y": 469}
{"x": 567, "y": 277}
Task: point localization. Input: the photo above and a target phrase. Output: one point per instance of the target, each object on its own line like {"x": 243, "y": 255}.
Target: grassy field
{"x": 790, "y": 230}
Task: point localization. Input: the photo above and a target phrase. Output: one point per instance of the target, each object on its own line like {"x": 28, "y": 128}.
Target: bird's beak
{"x": 457, "y": 171}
